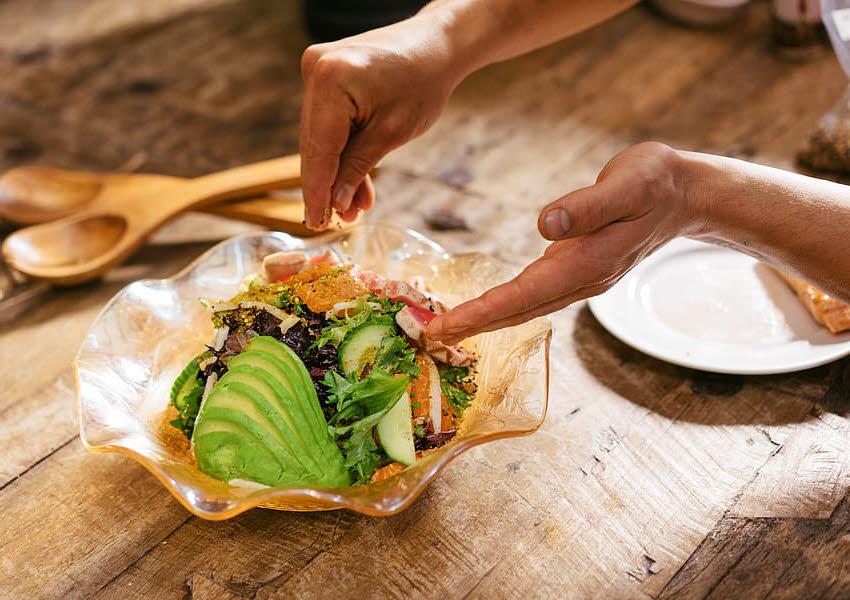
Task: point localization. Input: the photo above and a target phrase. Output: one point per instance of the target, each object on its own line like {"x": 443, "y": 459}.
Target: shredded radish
{"x": 216, "y": 308}
{"x": 340, "y": 309}
{"x": 287, "y": 323}
{"x": 273, "y": 310}
{"x": 207, "y": 389}
{"x": 219, "y": 337}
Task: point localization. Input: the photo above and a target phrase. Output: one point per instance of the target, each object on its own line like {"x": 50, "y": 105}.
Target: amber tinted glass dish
{"x": 151, "y": 329}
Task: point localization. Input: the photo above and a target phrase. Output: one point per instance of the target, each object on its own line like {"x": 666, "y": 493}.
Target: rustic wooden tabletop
{"x": 647, "y": 480}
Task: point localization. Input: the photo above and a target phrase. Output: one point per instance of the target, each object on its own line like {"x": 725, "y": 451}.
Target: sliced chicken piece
{"x": 426, "y": 393}
{"x": 370, "y": 279}
{"x": 410, "y": 294}
{"x": 415, "y": 316}
{"x": 327, "y": 257}
{"x": 448, "y": 417}
{"x": 414, "y": 321}
{"x": 280, "y": 266}
{"x": 420, "y": 390}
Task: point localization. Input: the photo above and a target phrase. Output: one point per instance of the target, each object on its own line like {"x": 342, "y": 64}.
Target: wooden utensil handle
{"x": 277, "y": 173}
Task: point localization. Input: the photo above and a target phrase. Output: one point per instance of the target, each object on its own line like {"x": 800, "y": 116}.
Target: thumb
{"x": 586, "y": 210}
{"x": 360, "y": 156}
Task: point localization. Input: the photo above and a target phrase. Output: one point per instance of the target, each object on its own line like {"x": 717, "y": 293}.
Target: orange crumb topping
{"x": 322, "y": 286}
{"x": 311, "y": 273}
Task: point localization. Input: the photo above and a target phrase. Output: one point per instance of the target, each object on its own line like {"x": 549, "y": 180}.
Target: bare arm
{"x": 650, "y": 194}
{"x": 482, "y": 32}
{"x": 368, "y": 94}
{"x": 800, "y": 224}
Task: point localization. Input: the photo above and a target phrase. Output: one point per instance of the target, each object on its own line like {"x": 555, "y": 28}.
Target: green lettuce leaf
{"x": 453, "y": 383}
{"x": 361, "y": 404}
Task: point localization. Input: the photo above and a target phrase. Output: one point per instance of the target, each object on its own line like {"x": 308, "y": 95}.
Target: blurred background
{"x": 187, "y": 87}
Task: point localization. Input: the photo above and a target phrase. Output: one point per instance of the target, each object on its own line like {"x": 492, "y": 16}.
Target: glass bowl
{"x": 151, "y": 329}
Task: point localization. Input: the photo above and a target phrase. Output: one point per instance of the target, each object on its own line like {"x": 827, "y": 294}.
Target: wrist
{"x": 462, "y": 28}
{"x": 703, "y": 185}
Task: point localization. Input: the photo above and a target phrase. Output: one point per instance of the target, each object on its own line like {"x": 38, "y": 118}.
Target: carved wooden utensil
{"x": 110, "y": 217}
{"x": 32, "y": 195}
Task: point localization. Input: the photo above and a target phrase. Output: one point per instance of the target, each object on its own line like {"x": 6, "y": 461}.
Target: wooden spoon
{"x": 121, "y": 215}
{"x": 31, "y": 195}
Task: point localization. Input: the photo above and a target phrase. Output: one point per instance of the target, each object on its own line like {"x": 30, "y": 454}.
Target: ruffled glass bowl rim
{"x": 330, "y": 499}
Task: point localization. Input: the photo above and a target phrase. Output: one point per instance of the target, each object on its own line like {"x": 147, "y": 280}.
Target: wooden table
{"x": 647, "y": 480}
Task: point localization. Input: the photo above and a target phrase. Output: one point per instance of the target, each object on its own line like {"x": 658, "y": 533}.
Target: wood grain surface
{"x": 646, "y": 481}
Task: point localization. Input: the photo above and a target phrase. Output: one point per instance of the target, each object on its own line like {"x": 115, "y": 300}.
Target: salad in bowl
{"x": 303, "y": 381}
{"x": 320, "y": 373}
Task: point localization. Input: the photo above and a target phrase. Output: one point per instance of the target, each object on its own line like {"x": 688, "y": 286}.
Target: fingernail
{"x": 556, "y": 223}
{"x": 343, "y": 197}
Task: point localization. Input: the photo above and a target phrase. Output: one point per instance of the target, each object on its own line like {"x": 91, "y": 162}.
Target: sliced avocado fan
{"x": 262, "y": 422}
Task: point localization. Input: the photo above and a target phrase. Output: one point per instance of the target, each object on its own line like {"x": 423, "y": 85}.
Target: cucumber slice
{"x": 361, "y": 346}
{"x": 187, "y": 381}
{"x": 395, "y": 432}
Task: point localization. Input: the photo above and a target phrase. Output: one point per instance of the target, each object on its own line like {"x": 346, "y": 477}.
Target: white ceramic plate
{"x": 714, "y": 309}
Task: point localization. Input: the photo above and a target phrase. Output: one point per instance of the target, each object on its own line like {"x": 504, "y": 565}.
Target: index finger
{"x": 326, "y": 121}
{"x": 537, "y": 285}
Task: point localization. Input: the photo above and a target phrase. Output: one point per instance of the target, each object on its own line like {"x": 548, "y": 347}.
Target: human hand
{"x": 600, "y": 232}
{"x": 364, "y": 96}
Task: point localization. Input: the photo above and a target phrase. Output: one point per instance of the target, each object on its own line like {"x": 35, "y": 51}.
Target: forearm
{"x": 481, "y": 32}
{"x": 800, "y": 224}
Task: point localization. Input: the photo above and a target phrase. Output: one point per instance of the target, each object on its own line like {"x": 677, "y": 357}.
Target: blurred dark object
{"x": 443, "y": 220}
{"x": 701, "y": 13}
{"x": 828, "y": 147}
{"x": 17, "y": 294}
{"x": 329, "y": 20}
{"x": 797, "y": 28}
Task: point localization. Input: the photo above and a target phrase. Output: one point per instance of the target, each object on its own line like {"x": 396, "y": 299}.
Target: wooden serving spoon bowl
{"x": 31, "y": 195}
{"x": 110, "y": 216}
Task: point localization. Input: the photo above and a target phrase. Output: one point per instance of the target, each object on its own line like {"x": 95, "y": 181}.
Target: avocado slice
{"x": 253, "y": 436}
{"x": 265, "y": 408}
{"x": 286, "y": 375}
{"x": 259, "y": 423}
{"x": 293, "y": 391}
{"x": 223, "y": 456}
{"x": 230, "y": 449}
{"x": 286, "y": 355}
